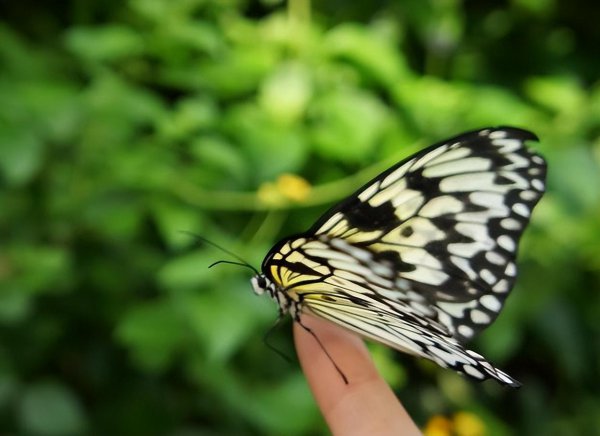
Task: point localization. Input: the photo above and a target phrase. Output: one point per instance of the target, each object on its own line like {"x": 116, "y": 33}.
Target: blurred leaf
{"x": 348, "y": 124}
{"x": 285, "y": 94}
{"x": 370, "y": 51}
{"x": 578, "y": 179}
{"x": 187, "y": 271}
{"x": 37, "y": 269}
{"x": 213, "y": 151}
{"x": 222, "y": 320}
{"x": 21, "y": 155}
{"x": 291, "y": 394}
{"x": 561, "y": 331}
{"x": 14, "y": 304}
{"x": 153, "y": 332}
{"x": 189, "y": 117}
{"x": 560, "y": 94}
{"x": 110, "y": 42}
{"x": 48, "y": 409}
{"x": 174, "y": 221}
{"x": 273, "y": 149}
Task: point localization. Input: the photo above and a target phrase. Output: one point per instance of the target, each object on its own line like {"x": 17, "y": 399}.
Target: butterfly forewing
{"x": 450, "y": 219}
{"x": 422, "y": 257}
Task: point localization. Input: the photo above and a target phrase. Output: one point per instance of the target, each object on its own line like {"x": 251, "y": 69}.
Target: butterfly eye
{"x": 259, "y": 284}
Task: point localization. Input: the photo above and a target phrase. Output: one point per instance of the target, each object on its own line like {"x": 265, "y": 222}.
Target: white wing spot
{"x": 473, "y": 372}
{"x": 396, "y": 174}
{"x": 488, "y": 276}
{"x": 465, "y": 249}
{"x": 507, "y": 243}
{"x": 464, "y": 264}
{"x": 369, "y": 192}
{"x": 451, "y": 155}
{"x": 418, "y": 256}
{"x": 501, "y": 287}
{"x": 456, "y": 310}
{"x": 426, "y": 275}
{"x": 490, "y": 302}
{"x": 520, "y": 209}
{"x": 507, "y": 145}
{"x": 470, "y": 181}
{"x": 528, "y": 195}
{"x": 510, "y": 224}
{"x": 511, "y": 269}
{"x": 445, "y": 358}
{"x": 497, "y": 134}
{"x": 468, "y": 165}
{"x": 495, "y": 258}
{"x": 480, "y": 317}
{"x": 537, "y": 184}
{"x": 475, "y": 231}
{"x": 466, "y": 331}
{"x": 441, "y": 205}
{"x": 429, "y": 158}
{"x": 492, "y": 200}
{"x": 395, "y": 192}
{"x": 409, "y": 208}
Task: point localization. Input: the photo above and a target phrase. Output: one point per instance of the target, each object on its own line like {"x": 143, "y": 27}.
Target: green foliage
{"x": 124, "y": 125}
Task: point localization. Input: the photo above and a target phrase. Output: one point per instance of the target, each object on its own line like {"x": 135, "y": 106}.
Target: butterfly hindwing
{"x": 347, "y": 285}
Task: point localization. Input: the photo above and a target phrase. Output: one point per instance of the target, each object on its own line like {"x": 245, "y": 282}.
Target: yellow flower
{"x": 438, "y": 426}
{"x": 268, "y": 193}
{"x": 287, "y": 187}
{"x": 468, "y": 424}
{"x": 293, "y": 187}
{"x": 461, "y": 424}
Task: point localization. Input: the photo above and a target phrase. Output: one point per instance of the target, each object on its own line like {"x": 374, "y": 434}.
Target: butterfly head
{"x": 260, "y": 284}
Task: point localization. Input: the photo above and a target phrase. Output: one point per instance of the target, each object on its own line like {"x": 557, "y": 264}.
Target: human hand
{"x": 364, "y": 406}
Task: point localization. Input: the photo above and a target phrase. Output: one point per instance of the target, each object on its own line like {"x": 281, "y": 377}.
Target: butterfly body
{"x": 421, "y": 258}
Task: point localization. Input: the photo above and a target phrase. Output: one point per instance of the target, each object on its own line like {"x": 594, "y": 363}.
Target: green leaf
{"x": 153, "y": 332}
{"x": 271, "y": 147}
{"x": 561, "y": 94}
{"x": 37, "y": 269}
{"x": 348, "y": 125}
{"x": 369, "y": 50}
{"x": 285, "y": 94}
{"x": 21, "y": 155}
{"x": 106, "y": 43}
{"x": 186, "y": 272}
{"x": 50, "y": 409}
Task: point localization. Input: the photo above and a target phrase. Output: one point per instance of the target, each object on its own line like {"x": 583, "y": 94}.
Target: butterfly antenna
{"x": 224, "y": 250}
{"x": 267, "y": 336}
{"x": 229, "y": 262}
{"x": 337, "y": 368}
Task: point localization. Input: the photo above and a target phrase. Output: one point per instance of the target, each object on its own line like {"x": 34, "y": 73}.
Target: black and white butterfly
{"x": 422, "y": 257}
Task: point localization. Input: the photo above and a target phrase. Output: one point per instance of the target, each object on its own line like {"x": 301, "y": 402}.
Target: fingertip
{"x": 366, "y": 404}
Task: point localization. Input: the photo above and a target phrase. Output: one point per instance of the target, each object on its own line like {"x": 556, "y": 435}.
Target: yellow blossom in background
{"x": 293, "y": 187}
{"x": 438, "y": 426}
{"x": 468, "y": 424}
{"x": 461, "y": 424}
{"x": 268, "y": 193}
{"x": 287, "y": 187}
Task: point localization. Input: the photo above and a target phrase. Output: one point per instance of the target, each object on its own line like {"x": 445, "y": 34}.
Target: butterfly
{"x": 422, "y": 257}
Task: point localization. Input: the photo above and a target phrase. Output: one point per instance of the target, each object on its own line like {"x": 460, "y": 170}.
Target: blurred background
{"x": 125, "y": 124}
